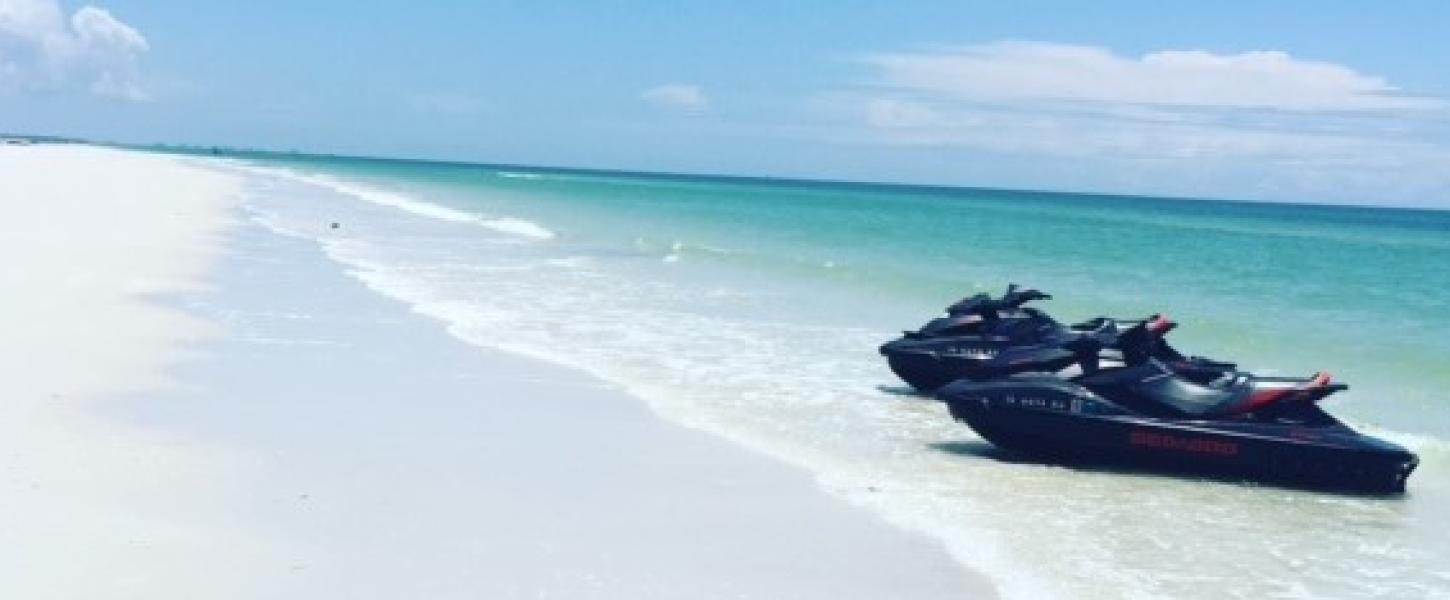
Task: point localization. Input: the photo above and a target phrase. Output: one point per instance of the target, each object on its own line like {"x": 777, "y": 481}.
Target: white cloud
{"x": 1128, "y": 134}
{"x": 1047, "y": 72}
{"x": 677, "y": 96}
{"x": 1191, "y": 122}
{"x": 41, "y": 50}
{"x": 1184, "y": 154}
{"x": 896, "y": 113}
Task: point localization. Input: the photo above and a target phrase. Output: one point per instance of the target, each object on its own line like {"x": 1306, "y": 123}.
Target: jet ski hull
{"x": 1061, "y": 421}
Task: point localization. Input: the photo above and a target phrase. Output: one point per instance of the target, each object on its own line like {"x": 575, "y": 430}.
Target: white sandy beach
{"x": 196, "y": 407}
{"x": 94, "y": 508}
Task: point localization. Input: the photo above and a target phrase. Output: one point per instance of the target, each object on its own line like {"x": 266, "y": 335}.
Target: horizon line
{"x": 735, "y": 177}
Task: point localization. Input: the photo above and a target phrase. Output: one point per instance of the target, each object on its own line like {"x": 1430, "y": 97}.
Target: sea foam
{"x": 509, "y": 225}
{"x": 515, "y": 175}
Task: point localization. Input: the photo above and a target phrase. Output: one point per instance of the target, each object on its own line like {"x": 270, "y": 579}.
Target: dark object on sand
{"x": 1144, "y": 412}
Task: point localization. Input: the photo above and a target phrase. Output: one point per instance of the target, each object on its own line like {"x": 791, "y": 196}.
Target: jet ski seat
{"x": 1230, "y": 396}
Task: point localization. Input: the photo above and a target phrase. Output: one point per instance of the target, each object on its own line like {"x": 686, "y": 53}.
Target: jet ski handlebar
{"x": 1016, "y": 297}
{"x": 1140, "y": 342}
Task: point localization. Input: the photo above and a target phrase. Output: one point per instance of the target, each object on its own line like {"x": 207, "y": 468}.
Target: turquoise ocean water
{"x": 752, "y": 309}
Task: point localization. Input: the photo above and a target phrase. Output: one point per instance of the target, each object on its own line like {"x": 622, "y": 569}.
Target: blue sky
{"x": 1301, "y": 101}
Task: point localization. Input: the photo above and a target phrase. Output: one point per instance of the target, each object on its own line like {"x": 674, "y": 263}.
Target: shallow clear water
{"x": 752, "y": 309}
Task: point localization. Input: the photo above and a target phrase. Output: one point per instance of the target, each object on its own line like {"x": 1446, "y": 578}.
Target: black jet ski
{"x": 981, "y": 313}
{"x": 931, "y": 363}
{"x": 984, "y": 337}
{"x": 975, "y": 330}
{"x": 1143, "y": 412}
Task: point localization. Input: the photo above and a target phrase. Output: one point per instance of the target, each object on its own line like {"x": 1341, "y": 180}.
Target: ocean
{"x": 752, "y": 309}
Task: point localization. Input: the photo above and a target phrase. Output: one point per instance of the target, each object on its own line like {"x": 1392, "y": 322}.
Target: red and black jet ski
{"x": 1144, "y": 412}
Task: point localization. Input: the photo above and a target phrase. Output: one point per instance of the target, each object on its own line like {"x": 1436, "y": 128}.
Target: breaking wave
{"x": 509, "y": 225}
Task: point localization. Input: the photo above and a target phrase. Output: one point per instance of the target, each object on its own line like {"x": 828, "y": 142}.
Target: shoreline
{"x": 478, "y": 471}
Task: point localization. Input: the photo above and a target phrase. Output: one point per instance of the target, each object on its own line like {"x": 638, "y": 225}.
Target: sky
{"x": 1301, "y": 101}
